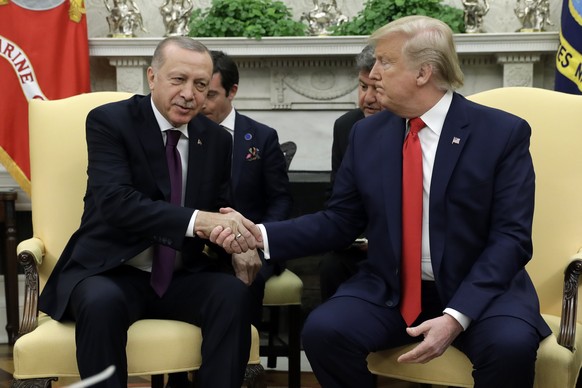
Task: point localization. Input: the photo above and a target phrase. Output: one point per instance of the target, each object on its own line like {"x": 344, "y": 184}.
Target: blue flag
{"x": 569, "y": 55}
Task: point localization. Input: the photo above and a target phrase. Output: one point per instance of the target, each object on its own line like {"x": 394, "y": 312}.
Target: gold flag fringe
{"x": 15, "y": 171}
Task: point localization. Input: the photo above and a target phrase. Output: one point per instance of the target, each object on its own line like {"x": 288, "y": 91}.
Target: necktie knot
{"x": 172, "y": 137}
{"x": 416, "y": 124}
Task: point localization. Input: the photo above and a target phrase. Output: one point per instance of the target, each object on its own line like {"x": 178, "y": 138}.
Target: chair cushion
{"x": 556, "y": 366}
{"x": 283, "y": 289}
{"x": 49, "y": 350}
{"x": 453, "y": 368}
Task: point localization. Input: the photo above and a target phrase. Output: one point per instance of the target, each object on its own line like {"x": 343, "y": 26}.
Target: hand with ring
{"x": 228, "y": 229}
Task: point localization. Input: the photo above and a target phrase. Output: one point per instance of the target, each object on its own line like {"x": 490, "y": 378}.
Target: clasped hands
{"x": 237, "y": 235}
{"x": 229, "y": 229}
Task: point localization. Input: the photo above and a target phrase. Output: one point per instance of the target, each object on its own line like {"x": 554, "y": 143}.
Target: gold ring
{"x": 238, "y": 236}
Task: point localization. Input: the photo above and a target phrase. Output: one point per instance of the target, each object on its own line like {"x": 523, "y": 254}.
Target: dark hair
{"x": 365, "y": 59}
{"x": 227, "y": 68}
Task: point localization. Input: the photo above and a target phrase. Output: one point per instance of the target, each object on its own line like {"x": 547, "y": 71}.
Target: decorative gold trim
{"x": 14, "y": 171}
{"x": 76, "y": 10}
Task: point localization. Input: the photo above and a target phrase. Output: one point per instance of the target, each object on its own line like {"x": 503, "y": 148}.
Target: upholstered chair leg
{"x": 33, "y": 383}
{"x": 157, "y": 381}
{"x": 294, "y": 346}
{"x": 255, "y": 376}
{"x": 273, "y": 334}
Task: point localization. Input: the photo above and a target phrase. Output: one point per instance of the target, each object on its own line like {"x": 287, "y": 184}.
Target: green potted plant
{"x": 245, "y": 18}
{"x": 377, "y": 13}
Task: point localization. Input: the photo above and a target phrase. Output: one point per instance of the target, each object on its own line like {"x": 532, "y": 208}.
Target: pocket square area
{"x": 252, "y": 154}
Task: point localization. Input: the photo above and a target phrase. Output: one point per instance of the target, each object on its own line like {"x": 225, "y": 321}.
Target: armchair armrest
{"x": 30, "y": 254}
{"x": 567, "y": 334}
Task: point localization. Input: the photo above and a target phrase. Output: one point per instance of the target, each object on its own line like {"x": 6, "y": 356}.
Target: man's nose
{"x": 375, "y": 72}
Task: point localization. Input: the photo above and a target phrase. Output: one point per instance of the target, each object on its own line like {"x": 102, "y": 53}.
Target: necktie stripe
{"x": 164, "y": 256}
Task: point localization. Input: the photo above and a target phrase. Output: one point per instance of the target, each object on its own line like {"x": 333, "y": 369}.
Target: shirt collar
{"x": 164, "y": 124}
{"x": 229, "y": 121}
{"x": 435, "y": 117}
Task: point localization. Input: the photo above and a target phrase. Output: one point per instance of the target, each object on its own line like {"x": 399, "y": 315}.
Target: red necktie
{"x": 164, "y": 256}
{"x": 411, "y": 223}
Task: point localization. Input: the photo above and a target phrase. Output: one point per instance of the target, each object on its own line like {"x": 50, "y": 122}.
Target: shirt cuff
{"x": 463, "y": 320}
{"x": 190, "y": 230}
{"x": 265, "y": 241}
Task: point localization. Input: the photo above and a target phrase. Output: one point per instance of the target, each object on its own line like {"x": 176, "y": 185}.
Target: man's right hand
{"x": 228, "y": 229}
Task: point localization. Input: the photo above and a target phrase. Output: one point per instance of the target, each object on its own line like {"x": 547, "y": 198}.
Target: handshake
{"x": 229, "y": 229}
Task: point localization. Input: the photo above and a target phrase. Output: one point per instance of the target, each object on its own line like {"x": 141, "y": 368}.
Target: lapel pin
{"x": 199, "y": 142}
{"x": 456, "y": 140}
{"x": 248, "y": 136}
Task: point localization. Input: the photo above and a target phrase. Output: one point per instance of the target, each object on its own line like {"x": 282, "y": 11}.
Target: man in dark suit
{"x": 473, "y": 223}
{"x": 368, "y": 104}
{"x": 259, "y": 180}
{"x": 338, "y": 266}
{"x": 102, "y": 279}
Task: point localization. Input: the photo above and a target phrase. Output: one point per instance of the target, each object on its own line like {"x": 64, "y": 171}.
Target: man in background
{"x": 259, "y": 182}
{"x": 338, "y": 266}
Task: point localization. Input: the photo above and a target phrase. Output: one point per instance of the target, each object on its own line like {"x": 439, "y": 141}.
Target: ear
{"x": 233, "y": 91}
{"x": 150, "y": 76}
{"x": 424, "y": 74}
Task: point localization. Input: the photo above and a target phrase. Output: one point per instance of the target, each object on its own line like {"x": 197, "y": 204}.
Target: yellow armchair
{"x": 557, "y": 239}
{"x": 45, "y": 349}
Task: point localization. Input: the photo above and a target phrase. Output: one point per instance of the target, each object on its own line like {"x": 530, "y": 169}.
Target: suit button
{"x": 390, "y": 303}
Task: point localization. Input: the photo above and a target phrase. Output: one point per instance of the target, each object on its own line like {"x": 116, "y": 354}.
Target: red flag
{"x": 44, "y": 53}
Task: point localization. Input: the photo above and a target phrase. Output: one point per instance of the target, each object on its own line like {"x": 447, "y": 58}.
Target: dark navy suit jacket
{"x": 126, "y": 206}
{"x": 481, "y": 209}
{"x": 342, "y": 128}
{"x": 260, "y": 184}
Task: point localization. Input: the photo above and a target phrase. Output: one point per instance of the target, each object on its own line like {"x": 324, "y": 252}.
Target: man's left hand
{"x": 438, "y": 334}
{"x": 246, "y": 265}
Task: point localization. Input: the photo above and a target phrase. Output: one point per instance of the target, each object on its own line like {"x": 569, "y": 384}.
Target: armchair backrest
{"x": 555, "y": 147}
{"x": 58, "y": 164}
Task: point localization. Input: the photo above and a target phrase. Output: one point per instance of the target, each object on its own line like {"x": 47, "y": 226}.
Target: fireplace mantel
{"x": 330, "y": 46}
{"x": 510, "y": 59}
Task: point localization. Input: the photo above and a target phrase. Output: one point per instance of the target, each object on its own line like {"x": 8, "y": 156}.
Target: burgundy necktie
{"x": 410, "y": 305}
{"x": 164, "y": 256}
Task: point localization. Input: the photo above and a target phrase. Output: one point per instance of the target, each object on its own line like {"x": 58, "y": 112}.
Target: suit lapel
{"x": 150, "y": 137}
{"x": 197, "y": 150}
{"x": 454, "y": 136}
{"x": 391, "y": 145}
{"x": 244, "y": 138}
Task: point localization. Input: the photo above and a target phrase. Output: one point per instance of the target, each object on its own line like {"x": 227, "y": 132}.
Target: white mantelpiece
{"x": 511, "y": 53}
{"x": 542, "y": 42}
